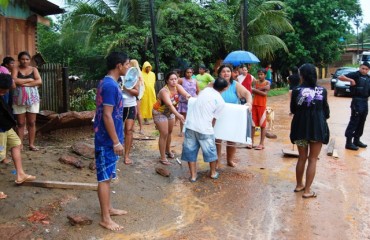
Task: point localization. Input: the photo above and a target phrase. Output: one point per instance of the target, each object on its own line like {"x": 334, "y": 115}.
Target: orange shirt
{"x": 260, "y": 100}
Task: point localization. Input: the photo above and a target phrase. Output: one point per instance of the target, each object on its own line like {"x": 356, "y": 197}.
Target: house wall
{"x": 16, "y": 35}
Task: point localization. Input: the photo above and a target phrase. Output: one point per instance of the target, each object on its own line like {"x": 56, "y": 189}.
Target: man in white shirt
{"x": 199, "y": 131}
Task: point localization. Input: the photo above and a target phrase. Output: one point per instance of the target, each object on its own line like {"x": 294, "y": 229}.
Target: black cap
{"x": 202, "y": 66}
{"x": 367, "y": 64}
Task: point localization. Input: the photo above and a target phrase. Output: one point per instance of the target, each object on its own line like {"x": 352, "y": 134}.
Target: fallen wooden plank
{"x": 290, "y": 153}
{"x": 63, "y": 185}
{"x": 335, "y": 154}
{"x": 144, "y": 138}
{"x": 331, "y": 146}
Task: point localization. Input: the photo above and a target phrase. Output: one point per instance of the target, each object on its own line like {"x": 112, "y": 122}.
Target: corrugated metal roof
{"x": 44, "y": 8}
{"x": 23, "y": 10}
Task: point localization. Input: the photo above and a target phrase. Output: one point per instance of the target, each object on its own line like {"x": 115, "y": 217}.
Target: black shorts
{"x": 129, "y": 113}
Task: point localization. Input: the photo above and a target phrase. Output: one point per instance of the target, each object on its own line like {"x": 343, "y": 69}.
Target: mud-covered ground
{"x": 255, "y": 200}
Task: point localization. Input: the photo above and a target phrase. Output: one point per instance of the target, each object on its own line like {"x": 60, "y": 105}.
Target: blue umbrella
{"x": 239, "y": 57}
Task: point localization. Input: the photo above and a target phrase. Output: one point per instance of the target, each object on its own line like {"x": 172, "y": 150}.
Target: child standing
{"x": 262, "y": 86}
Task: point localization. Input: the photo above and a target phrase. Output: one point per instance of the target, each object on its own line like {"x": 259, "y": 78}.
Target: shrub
{"x": 82, "y": 100}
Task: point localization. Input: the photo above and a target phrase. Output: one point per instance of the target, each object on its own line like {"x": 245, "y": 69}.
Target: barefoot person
{"x": 309, "y": 129}
{"x": 9, "y": 140}
{"x": 199, "y": 128}
{"x": 108, "y": 127}
{"x": 164, "y": 112}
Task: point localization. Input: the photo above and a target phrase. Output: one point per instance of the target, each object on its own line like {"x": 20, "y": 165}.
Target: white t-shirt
{"x": 241, "y": 78}
{"x": 128, "y": 99}
{"x": 208, "y": 105}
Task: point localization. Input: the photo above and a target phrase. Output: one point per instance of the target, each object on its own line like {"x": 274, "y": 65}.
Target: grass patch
{"x": 278, "y": 91}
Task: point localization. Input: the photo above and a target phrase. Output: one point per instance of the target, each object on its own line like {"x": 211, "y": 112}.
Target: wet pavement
{"x": 255, "y": 200}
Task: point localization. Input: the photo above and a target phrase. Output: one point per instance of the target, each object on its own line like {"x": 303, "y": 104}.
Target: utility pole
{"x": 155, "y": 45}
{"x": 244, "y": 23}
{"x": 358, "y": 21}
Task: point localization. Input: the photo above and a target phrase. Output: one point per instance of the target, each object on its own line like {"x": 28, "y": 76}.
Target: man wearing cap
{"x": 203, "y": 78}
{"x": 360, "y": 90}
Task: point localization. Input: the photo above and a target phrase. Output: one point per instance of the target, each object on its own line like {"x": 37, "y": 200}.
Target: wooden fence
{"x": 51, "y": 91}
{"x": 57, "y": 91}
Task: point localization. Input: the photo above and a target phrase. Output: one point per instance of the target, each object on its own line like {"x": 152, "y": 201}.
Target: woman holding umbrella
{"x": 232, "y": 94}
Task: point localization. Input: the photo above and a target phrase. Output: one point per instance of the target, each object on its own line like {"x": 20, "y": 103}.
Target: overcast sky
{"x": 365, "y": 11}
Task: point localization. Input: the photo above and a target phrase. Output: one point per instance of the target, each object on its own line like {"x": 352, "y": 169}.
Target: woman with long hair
{"x": 309, "y": 129}
{"x": 164, "y": 112}
{"x": 233, "y": 93}
{"x": 190, "y": 85}
{"x": 135, "y": 63}
{"x": 26, "y": 98}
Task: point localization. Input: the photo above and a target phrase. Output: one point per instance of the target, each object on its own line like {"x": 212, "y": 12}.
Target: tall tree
{"x": 318, "y": 27}
{"x": 92, "y": 19}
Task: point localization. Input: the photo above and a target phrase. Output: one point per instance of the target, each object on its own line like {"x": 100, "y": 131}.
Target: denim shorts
{"x": 106, "y": 161}
{"x": 193, "y": 141}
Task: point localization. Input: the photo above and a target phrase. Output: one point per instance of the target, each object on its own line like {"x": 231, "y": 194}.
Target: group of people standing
{"x": 19, "y": 104}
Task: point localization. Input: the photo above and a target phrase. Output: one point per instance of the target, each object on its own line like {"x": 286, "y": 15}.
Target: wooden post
{"x": 65, "y": 107}
{"x": 63, "y": 185}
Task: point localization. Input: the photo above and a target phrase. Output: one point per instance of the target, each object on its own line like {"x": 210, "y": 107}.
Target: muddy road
{"x": 254, "y": 200}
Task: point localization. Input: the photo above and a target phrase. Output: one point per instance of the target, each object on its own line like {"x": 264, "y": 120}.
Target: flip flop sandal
{"x": 165, "y": 162}
{"x": 259, "y": 147}
{"x": 312, "y": 195}
{"x": 216, "y": 176}
{"x": 3, "y": 195}
{"x": 170, "y": 154}
{"x": 193, "y": 180}
{"x": 28, "y": 178}
{"x": 299, "y": 190}
{"x": 34, "y": 149}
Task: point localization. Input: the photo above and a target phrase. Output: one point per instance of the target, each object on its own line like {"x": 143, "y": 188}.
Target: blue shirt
{"x": 108, "y": 93}
{"x": 230, "y": 95}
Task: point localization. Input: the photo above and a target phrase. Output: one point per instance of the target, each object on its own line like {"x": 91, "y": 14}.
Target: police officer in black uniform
{"x": 360, "y": 87}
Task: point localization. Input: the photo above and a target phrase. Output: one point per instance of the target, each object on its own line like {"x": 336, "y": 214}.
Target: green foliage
{"x": 4, "y": 3}
{"x": 318, "y": 26}
{"x": 83, "y": 100}
{"x": 190, "y": 33}
{"x": 50, "y": 43}
{"x": 278, "y": 91}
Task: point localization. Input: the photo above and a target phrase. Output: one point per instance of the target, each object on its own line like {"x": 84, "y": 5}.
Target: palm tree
{"x": 267, "y": 20}
{"x": 90, "y": 18}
